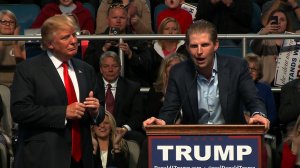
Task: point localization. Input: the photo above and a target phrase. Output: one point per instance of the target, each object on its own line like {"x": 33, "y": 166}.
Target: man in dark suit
{"x": 40, "y": 102}
{"x": 127, "y": 106}
{"x": 209, "y": 89}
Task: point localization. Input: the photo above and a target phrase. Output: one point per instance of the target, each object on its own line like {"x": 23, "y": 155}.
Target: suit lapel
{"x": 223, "y": 84}
{"x": 81, "y": 79}
{"x": 49, "y": 69}
{"x": 119, "y": 91}
{"x": 191, "y": 89}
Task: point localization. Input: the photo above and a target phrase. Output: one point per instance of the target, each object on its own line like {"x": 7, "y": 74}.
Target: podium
{"x": 205, "y": 146}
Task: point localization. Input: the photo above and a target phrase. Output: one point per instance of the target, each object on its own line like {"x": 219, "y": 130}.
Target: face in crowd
{"x": 110, "y": 69}
{"x": 66, "y": 2}
{"x": 173, "y": 3}
{"x": 7, "y": 25}
{"x": 104, "y": 129}
{"x": 117, "y": 17}
{"x": 282, "y": 22}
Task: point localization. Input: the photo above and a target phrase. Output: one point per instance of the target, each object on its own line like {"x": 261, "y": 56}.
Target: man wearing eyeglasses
{"x": 137, "y": 57}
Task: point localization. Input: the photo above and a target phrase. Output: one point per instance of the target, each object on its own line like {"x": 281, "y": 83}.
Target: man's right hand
{"x": 153, "y": 121}
{"x": 75, "y": 111}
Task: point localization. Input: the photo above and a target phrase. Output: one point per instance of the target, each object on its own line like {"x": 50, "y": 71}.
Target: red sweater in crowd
{"x": 183, "y": 17}
{"x": 86, "y": 21}
{"x": 288, "y": 159}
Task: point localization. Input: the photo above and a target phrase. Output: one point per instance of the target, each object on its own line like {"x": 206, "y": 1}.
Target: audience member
{"x": 264, "y": 90}
{"x": 268, "y": 49}
{"x": 11, "y": 52}
{"x": 291, "y": 147}
{"x": 289, "y": 103}
{"x": 86, "y": 21}
{"x": 54, "y": 100}
{"x": 139, "y": 16}
{"x": 205, "y": 78}
{"x": 122, "y": 97}
{"x": 110, "y": 149}
{"x": 174, "y": 10}
{"x": 290, "y": 7}
{"x": 156, "y": 93}
{"x": 137, "y": 56}
{"x": 229, "y": 16}
{"x": 161, "y": 49}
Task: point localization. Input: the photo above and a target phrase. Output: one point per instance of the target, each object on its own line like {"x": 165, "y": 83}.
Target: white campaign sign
{"x": 288, "y": 62}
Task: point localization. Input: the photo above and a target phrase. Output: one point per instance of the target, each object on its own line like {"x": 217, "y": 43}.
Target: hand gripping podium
{"x": 205, "y": 146}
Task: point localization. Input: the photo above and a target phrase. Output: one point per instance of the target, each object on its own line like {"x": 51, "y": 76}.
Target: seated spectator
{"x": 174, "y": 10}
{"x": 291, "y": 7}
{"x": 86, "y": 21}
{"x": 264, "y": 90}
{"x": 139, "y": 16}
{"x": 269, "y": 49}
{"x": 229, "y": 16}
{"x": 156, "y": 97}
{"x": 11, "y": 52}
{"x": 156, "y": 93}
{"x": 110, "y": 149}
{"x": 137, "y": 56}
{"x": 162, "y": 49}
{"x": 289, "y": 103}
{"x": 291, "y": 147}
{"x": 122, "y": 97}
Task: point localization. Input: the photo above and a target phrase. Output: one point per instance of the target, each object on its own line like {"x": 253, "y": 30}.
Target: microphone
{"x": 179, "y": 114}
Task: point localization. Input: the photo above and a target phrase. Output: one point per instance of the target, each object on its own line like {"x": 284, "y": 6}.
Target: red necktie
{"x": 76, "y": 144}
{"x": 109, "y": 99}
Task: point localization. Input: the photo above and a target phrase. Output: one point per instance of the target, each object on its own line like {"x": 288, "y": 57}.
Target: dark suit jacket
{"x": 289, "y": 102}
{"x": 116, "y": 160}
{"x": 128, "y": 104}
{"x": 38, "y": 105}
{"x": 235, "y": 86}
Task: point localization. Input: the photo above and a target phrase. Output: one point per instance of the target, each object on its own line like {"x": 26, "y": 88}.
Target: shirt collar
{"x": 113, "y": 84}
{"x": 57, "y": 63}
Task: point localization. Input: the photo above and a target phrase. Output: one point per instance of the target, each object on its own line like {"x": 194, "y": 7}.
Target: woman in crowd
{"x": 161, "y": 49}
{"x": 110, "y": 149}
{"x": 268, "y": 49}
{"x": 157, "y": 92}
{"x": 11, "y": 52}
{"x": 264, "y": 90}
{"x": 86, "y": 21}
{"x": 139, "y": 16}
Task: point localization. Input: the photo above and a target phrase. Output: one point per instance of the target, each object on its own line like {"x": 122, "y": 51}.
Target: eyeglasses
{"x": 252, "y": 69}
{"x": 7, "y": 22}
{"x": 116, "y": 5}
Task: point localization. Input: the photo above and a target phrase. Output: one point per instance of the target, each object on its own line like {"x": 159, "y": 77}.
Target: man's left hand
{"x": 258, "y": 119}
{"x": 92, "y": 104}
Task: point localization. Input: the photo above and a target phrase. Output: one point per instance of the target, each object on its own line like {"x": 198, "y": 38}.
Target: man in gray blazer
{"x": 40, "y": 102}
{"x": 208, "y": 88}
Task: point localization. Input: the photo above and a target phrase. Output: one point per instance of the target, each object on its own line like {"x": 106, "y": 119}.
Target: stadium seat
{"x": 6, "y": 122}
{"x": 25, "y": 13}
{"x": 134, "y": 151}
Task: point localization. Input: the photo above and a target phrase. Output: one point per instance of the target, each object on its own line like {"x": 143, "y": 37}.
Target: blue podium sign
{"x": 202, "y": 151}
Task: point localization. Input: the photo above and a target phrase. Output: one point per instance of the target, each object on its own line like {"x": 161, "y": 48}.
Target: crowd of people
{"x": 82, "y": 111}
